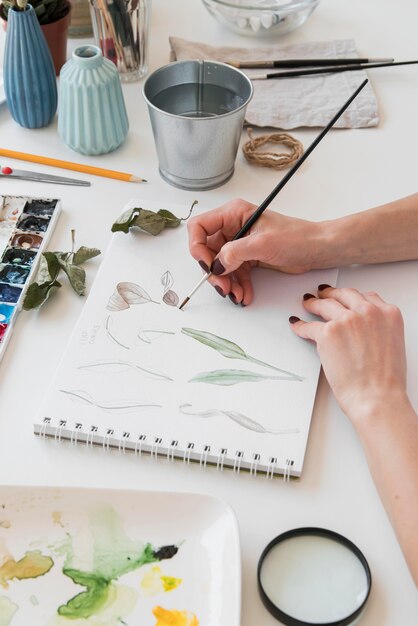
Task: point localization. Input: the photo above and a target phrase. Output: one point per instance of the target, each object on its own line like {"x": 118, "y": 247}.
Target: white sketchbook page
{"x": 99, "y": 381}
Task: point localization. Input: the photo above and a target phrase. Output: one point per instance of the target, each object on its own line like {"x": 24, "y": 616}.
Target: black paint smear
{"x": 43, "y": 208}
{"x": 17, "y": 256}
{"x": 32, "y": 223}
{"x": 165, "y": 552}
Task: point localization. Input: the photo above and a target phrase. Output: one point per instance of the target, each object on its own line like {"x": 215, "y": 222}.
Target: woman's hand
{"x": 361, "y": 345}
{"x": 284, "y": 243}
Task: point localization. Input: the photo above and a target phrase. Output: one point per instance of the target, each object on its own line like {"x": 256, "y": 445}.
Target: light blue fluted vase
{"x": 28, "y": 71}
{"x": 92, "y": 116}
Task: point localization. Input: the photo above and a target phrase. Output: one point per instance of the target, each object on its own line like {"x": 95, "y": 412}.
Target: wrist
{"x": 333, "y": 244}
{"x": 380, "y": 412}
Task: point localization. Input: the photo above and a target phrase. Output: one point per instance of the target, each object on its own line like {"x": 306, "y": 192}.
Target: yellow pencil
{"x": 68, "y": 165}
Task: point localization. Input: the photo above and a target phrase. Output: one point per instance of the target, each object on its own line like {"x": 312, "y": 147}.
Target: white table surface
{"x": 350, "y": 171}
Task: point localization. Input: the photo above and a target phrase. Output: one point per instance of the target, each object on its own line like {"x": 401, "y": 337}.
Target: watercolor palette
{"x": 25, "y": 227}
{"x": 101, "y": 557}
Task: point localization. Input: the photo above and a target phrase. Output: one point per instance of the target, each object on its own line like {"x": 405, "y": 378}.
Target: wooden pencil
{"x": 68, "y": 165}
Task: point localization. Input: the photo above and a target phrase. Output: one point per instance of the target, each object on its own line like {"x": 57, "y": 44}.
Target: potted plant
{"x": 54, "y": 18}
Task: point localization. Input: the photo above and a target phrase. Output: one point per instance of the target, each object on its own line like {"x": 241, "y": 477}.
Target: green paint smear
{"x": 114, "y": 554}
{"x": 7, "y": 610}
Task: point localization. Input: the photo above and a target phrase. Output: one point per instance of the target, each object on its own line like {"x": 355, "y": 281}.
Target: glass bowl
{"x": 260, "y": 18}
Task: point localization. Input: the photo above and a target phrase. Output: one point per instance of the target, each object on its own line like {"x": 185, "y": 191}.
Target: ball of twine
{"x": 275, "y": 160}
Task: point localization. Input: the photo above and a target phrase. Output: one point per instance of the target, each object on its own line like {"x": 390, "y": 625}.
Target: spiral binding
{"x": 156, "y": 448}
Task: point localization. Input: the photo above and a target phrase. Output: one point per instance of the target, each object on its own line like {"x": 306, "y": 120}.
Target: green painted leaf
{"x": 231, "y": 350}
{"x": 84, "y": 254}
{"x": 232, "y": 377}
{"x": 37, "y": 294}
{"x": 227, "y": 348}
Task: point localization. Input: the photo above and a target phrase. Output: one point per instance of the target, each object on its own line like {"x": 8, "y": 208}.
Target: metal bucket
{"x": 197, "y": 111}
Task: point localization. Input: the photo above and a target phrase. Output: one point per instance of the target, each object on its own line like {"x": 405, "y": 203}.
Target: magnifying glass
{"x": 313, "y": 577}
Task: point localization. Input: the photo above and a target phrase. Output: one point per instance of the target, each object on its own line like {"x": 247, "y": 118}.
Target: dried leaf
{"x": 84, "y": 254}
{"x": 170, "y": 220}
{"x": 150, "y": 221}
{"x": 171, "y": 298}
{"x": 49, "y": 268}
{"x": 36, "y": 294}
{"x": 76, "y": 276}
{"x": 125, "y": 221}
{"x": 232, "y": 377}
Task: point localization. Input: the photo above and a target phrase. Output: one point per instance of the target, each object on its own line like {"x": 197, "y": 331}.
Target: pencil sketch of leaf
{"x": 233, "y": 377}
{"x": 113, "y": 405}
{"x": 239, "y": 418}
{"x": 110, "y": 335}
{"x": 126, "y": 294}
{"x": 148, "y": 335}
{"x": 231, "y": 350}
{"x": 114, "y": 367}
{"x": 167, "y": 280}
{"x": 171, "y": 298}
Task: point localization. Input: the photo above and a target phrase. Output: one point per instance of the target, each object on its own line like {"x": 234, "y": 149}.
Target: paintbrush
{"x": 329, "y": 70}
{"x": 263, "y": 206}
{"x": 304, "y": 62}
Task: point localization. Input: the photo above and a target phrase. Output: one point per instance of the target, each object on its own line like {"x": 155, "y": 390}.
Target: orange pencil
{"x": 68, "y": 165}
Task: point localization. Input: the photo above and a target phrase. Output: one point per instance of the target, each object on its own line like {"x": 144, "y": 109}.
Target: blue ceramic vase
{"x": 92, "y": 117}
{"x": 28, "y": 71}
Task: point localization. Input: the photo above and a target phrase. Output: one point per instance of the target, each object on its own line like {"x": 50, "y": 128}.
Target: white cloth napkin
{"x": 293, "y": 102}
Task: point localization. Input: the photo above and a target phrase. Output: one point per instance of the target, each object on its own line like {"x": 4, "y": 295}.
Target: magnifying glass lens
{"x": 314, "y": 578}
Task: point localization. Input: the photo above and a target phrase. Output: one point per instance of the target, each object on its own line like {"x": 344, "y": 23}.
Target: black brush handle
{"x": 338, "y": 68}
{"x": 263, "y": 206}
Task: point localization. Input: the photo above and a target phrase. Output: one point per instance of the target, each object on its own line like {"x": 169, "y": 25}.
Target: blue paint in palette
{"x": 25, "y": 227}
{"x": 6, "y": 312}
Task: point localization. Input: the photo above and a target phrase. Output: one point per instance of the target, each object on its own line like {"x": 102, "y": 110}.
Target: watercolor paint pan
{"x": 26, "y": 224}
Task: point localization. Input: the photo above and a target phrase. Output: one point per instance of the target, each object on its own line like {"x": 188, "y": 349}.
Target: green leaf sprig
{"x": 150, "y": 221}
{"x": 50, "y": 266}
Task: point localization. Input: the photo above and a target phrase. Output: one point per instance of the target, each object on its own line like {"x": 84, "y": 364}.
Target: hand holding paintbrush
{"x": 263, "y": 206}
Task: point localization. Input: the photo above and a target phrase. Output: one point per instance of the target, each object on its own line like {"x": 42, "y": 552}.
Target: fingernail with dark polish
{"x": 219, "y": 290}
{"x": 293, "y": 319}
{"x": 204, "y": 266}
{"x": 232, "y": 297}
{"x": 217, "y": 267}
{"x": 308, "y": 296}
{"x": 243, "y": 305}
{"x": 322, "y": 287}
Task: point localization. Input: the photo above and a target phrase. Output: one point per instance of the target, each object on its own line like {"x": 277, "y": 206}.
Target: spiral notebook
{"x": 218, "y": 384}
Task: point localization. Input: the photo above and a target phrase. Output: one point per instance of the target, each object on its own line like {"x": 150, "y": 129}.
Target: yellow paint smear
{"x": 154, "y": 582}
{"x": 5, "y": 523}
{"x": 57, "y": 518}
{"x": 165, "y": 617}
{"x": 32, "y": 565}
